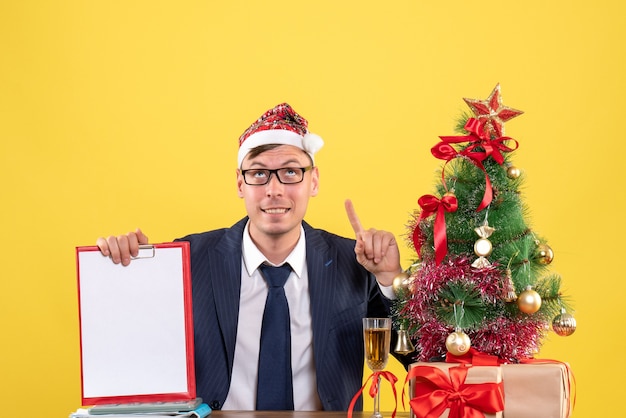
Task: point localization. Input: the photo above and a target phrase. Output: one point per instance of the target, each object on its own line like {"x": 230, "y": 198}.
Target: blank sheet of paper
{"x": 135, "y": 323}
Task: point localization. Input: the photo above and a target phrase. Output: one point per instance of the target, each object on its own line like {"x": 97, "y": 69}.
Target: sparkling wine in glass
{"x": 376, "y": 336}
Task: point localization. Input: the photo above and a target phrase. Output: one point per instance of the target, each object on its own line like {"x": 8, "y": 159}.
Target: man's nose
{"x": 274, "y": 186}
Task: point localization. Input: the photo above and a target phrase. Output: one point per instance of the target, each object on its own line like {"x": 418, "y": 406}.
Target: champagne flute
{"x": 376, "y": 336}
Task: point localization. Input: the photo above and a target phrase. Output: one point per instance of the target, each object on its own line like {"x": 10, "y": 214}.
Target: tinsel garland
{"x": 511, "y": 338}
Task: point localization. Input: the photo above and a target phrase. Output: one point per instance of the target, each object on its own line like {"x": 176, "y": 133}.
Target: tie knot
{"x": 275, "y": 276}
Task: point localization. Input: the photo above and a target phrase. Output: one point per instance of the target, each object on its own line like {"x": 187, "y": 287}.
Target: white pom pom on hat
{"x": 312, "y": 143}
{"x": 279, "y": 125}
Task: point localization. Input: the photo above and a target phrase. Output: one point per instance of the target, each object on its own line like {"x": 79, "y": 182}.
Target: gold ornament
{"x": 404, "y": 345}
{"x": 544, "y": 253}
{"x": 513, "y": 172}
{"x": 458, "y": 343}
{"x": 529, "y": 301}
{"x": 401, "y": 283}
{"x": 508, "y": 293}
{"x": 483, "y": 247}
{"x": 564, "y": 324}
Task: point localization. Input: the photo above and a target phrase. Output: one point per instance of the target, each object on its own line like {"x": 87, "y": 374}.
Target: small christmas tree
{"x": 481, "y": 275}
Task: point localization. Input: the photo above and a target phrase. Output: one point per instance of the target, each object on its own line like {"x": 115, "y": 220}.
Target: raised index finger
{"x": 352, "y": 216}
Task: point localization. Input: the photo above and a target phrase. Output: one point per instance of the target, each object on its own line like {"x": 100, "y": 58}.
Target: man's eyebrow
{"x": 286, "y": 164}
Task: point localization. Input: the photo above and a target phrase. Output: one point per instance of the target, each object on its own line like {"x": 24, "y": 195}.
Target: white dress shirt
{"x": 242, "y": 392}
{"x": 243, "y": 385}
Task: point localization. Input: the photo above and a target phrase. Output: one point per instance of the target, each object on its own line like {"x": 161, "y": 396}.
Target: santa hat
{"x": 279, "y": 125}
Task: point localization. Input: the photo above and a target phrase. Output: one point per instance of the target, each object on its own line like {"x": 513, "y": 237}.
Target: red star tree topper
{"x": 493, "y": 112}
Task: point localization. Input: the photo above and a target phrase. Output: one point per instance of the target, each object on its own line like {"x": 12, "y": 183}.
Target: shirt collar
{"x": 253, "y": 257}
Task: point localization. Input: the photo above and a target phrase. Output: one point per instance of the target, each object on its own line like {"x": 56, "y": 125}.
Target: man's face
{"x": 277, "y": 209}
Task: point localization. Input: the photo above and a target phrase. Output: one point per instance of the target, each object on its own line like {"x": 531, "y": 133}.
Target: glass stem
{"x": 377, "y": 413}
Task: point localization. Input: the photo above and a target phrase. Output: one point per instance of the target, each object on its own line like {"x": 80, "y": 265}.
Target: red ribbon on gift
{"x": 435, "y": 391}
{"x": 432, "y": 205}
{"x": 475, "y": 358}
{"x": 375, "y": 378}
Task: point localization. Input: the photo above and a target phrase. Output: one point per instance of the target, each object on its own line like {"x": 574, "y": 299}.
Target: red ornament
{"x": 493, "y": 112}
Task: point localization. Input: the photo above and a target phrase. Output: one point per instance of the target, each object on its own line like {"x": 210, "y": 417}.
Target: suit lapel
{"x": 322, "y": 271}
{"x": 225, "y": 265}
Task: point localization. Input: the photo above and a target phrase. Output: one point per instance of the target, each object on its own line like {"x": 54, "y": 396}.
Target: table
{"x": 300, "y": 414}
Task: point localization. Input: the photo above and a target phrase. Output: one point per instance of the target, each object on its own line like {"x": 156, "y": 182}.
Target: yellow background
{"x": 119, "y": 114}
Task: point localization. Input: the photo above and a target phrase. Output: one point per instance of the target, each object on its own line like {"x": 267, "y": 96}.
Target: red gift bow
{"x": 478, "y": 138}
{"x": 435, "y": 391}
{"x": 475, "y": 358}
{"x": 431, "y": 205}
{"x": 390, "y": 377}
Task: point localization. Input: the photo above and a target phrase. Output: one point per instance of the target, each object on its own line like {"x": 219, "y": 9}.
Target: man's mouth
{"x": 275, "y": 211}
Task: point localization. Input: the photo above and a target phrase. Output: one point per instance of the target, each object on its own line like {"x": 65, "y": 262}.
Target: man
{"x": 332, "y": 283}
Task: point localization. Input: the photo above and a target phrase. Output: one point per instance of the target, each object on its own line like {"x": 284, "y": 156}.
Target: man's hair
{"x": 256, "y": 151}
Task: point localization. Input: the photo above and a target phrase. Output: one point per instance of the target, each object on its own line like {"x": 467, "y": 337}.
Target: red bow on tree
{"x": 432, "y": 205}
{"x": 479, "y": 138}
{"x": 480, "y": 147}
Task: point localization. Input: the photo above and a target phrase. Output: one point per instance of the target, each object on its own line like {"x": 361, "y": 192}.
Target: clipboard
{"x": 136, "y": 326}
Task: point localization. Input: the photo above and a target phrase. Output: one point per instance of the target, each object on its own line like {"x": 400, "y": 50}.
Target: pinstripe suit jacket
{"x": 341, "y": 291}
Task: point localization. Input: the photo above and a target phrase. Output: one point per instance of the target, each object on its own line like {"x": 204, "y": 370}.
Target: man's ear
{"x": 315, "y": 181}
{"x": 240, "y": 183}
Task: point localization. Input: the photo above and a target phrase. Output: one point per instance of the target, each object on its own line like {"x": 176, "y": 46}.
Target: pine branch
{"x": 460, "y": 305}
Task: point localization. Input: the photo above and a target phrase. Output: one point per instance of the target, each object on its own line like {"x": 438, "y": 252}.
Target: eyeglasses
{"x": 288, "y": 175}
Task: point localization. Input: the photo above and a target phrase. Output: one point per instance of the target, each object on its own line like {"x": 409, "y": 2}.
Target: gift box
{"x": 533, "y": 390}
{"x": 537, "y": 390}
{"x": 444, "y": 389}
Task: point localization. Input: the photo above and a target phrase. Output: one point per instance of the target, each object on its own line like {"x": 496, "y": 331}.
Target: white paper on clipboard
{"x": 136, "y": 326}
